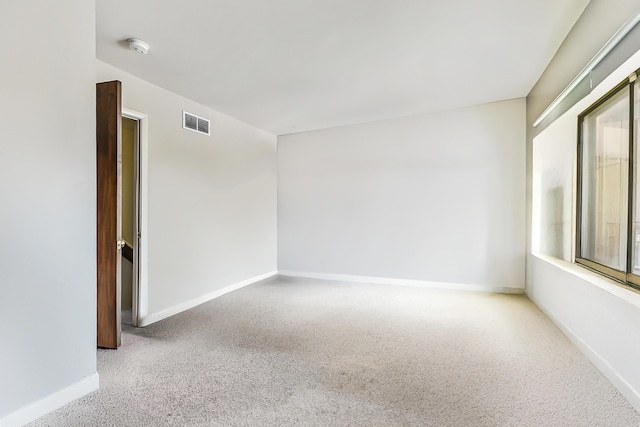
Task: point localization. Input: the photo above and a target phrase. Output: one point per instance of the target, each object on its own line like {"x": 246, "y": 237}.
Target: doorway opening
{"x": 130, "y": 220}
{"x": 134, "y": 197}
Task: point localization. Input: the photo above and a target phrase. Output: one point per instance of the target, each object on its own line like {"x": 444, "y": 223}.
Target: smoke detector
{"x": 138, "y": 45}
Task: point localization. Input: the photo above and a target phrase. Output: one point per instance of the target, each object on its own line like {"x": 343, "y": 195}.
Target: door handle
{"x": 120, "y": 244}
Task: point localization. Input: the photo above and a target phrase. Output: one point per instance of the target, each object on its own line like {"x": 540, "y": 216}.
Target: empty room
{"x": 355, "y": 213}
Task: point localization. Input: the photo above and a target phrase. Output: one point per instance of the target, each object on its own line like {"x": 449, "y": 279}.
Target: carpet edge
{"x": 58, "y": 399}
{"x": 186, "y": 305}
{"x": 626, "y": 389}
{"x": 404, "y": 282}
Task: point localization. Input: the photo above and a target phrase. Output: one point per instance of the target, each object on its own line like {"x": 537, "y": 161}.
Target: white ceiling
{"x": 289, "y": 66}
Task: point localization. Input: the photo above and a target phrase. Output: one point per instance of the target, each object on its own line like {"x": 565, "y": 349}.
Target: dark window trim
{"x": 624, "y": 277}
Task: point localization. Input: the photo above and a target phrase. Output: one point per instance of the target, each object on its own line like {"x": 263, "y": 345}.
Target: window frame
{"x": 624, "y": 277}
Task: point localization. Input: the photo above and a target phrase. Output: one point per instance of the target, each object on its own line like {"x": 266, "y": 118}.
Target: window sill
{"x": 608, "y": 285}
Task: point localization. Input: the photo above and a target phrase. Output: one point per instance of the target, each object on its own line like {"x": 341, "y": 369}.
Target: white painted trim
{"x": 179, "y": 308}
{"x": 603, "y": 366}
{"x": 404, "y": 282}
{"x": 37, "y": 409}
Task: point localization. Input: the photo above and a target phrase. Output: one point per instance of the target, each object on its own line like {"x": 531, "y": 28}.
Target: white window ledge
{"x": 608, "y": 285}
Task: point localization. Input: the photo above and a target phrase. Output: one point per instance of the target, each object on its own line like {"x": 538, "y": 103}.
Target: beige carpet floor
{"x": 293, "y": 352}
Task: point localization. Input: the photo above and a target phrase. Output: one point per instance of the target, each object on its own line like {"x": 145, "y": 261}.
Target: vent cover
{"x": 195, "y": 123}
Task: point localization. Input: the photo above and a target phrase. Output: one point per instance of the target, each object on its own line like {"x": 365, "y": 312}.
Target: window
{"x": 608, "y": 228}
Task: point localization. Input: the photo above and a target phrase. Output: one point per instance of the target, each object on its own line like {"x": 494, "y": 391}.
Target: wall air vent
{"x": 195, "y": 123}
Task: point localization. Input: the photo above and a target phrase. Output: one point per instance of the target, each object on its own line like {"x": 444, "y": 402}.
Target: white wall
{"x": 47, "y": 206}
{"x": 435, "y": 197}
{"x": 598, "y": 315}
{"x": 554, "y": 157}
{"x": 211, "y": 200}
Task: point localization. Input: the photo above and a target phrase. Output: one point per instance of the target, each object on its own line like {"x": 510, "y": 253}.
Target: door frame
{"x": 140, "y": 307}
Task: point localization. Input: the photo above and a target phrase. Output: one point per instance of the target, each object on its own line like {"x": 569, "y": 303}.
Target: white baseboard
{"x": 179, "y": 308}
{"x": 403, "y": 282}
{"x": 37, "y": 409}
{"x": 627, "y": 390}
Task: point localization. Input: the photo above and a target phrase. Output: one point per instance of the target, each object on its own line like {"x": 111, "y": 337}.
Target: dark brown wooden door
{"x": 109, "y": 204}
